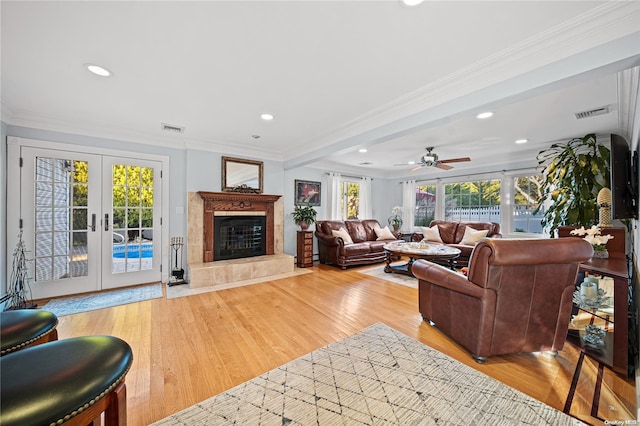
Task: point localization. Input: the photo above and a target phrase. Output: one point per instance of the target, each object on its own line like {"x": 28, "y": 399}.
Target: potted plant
{"x": 395, "y": 220}
{"x": 594, "y": 237}
{"x": 304, "y": 216}
{"x": 573, "y": 173}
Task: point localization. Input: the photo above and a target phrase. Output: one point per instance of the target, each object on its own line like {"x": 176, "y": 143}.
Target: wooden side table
{"x": 615, "y": 321}
{"x": 304, "y": 256}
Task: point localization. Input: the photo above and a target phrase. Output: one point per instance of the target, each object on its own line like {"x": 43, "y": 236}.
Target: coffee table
{"x": 427, "y": 251}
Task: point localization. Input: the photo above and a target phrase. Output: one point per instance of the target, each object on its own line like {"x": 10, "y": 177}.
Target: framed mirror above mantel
{"x": 241, "y": 175}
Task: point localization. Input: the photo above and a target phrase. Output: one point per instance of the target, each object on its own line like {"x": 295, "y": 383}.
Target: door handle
{"x": 106, "y": 221}
{"x": 93, "y": 222}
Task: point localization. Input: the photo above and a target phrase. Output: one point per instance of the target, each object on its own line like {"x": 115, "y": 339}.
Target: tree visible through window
{"x": 350, "y": 200}
{"x": 527, "y": 191}
{"x": 477, "y": 201}
{"x": 425, "y": 205}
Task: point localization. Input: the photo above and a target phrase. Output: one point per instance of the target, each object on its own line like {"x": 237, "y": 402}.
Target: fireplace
{"x": 207, "y": 208}
{"x": 239, "y": 236}
{"x": 224, "y": 206}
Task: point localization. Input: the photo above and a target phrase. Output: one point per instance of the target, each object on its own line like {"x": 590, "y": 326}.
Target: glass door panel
{"x": 57, "y": 220}
{"x": 134, "y": 252}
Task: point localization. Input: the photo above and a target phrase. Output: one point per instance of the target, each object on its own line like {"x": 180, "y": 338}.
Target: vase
{"x": 303, "y": 225}
{"x": 600, "y": 254}
{"x": 395, "y": 222}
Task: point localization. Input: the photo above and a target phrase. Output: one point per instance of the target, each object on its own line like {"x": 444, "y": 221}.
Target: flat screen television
{"x": 624, "y": 179}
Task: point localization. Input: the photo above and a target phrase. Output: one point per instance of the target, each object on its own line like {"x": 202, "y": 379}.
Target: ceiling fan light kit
{"x": 430, "y": 159}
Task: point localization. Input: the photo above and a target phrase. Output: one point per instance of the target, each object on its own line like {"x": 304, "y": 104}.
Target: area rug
{"x": 106, "y": 299}
{"x": 378, "y": 376}
{"x": 378, "y": 272}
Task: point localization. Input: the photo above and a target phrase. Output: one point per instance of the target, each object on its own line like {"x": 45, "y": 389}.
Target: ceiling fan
{"x": 430, "y": 159}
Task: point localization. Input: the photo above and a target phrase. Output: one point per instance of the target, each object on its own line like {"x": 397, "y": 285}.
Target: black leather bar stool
{"x": 71, "y": 381}
{"x": 22, "y": 328}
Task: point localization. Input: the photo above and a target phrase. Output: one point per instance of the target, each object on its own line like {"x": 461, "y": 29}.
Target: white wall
{"x": 204, "y": 172}
{"x": 387, "y": 193}
{"x": 189, "y": 170}
{"x": 3, "y": 208}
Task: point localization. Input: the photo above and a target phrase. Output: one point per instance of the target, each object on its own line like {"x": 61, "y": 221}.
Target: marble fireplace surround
{"x": 202, "y": 209}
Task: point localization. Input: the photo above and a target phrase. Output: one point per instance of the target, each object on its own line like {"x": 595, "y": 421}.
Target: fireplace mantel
{"x": 229, "y": 202}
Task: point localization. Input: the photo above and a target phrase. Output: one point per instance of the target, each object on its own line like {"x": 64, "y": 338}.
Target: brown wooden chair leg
{"x": 116, "y": 412}
{"x": 51, "y": 337}
{"x": 113, "y": 405}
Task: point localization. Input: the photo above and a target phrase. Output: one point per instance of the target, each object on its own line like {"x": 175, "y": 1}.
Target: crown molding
{"x": 170, "y": 141}
{"x": 628, "y": 99}
{"x": 233, "y": 149}
{"x": 603, "y": 24}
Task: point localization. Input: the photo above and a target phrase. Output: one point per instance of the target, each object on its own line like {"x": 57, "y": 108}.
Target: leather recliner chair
{"x": 516, "y": 297}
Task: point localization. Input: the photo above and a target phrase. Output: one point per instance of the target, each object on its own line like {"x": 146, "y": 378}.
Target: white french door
{"x": 130, "y": 221}
{"x": 59, "y": 212}
{"x": 92, "y": 220}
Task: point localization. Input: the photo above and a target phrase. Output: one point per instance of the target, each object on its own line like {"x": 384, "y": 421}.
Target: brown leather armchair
{"x": 516, "y": 297}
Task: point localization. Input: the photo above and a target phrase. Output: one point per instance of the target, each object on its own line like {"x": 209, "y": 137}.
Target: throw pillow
{"x": 431, "y": 234}
{"x": 471, "y": 236}
{"x": 342, "y": 233}
{"x": 384, "y": 234}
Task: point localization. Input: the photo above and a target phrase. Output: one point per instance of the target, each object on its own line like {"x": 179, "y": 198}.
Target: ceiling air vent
{"x": 172, "y": 128}
{"x": 592, "y": 112}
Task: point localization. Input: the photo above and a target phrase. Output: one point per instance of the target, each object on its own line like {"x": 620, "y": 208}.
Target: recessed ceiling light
{"x": 98, "y": 70}
{"x": 483, "y": 115}
{"x": 412, "y": 2}
{"x": 522, "y": 141}
{"x": 266, "y": 116}
{"x": 362, "y": 150}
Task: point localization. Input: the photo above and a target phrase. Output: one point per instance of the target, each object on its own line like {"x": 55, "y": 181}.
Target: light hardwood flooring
{"x": 191, "y": 348}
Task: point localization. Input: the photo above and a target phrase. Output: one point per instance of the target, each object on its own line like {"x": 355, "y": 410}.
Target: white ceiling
{"x": 337, "y": 75}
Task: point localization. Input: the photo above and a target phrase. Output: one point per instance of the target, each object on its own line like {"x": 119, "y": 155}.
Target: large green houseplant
{"x": 573, "y": 173}
{"x": 304, "y": 216}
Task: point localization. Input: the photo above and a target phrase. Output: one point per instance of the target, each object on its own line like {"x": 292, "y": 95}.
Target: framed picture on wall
{"x": 307, "y": 193}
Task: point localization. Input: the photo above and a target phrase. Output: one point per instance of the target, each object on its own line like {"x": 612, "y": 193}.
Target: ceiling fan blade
{"x": 443, "y": 166}
{"x": 416, "y": 168}
{"x": 455, "y": 160}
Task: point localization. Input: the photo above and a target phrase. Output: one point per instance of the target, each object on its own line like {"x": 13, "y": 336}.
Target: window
{"x": 477, "y": 201}
{"x": 425, "y": 205}
{"x": 526, "y": 195}
{"x": 350, "y": 199}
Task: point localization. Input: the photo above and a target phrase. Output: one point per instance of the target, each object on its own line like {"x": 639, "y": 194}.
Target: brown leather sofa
{"x": 365, "y": 248}
{"x": 452, "y": 233}
{"x": 516, "y": 297}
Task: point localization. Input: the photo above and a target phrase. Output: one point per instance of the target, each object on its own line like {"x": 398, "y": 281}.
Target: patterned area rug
{"x": 378, "y": 376}
{"x": 378, "y": 272}
{"x": 106, "y": 299}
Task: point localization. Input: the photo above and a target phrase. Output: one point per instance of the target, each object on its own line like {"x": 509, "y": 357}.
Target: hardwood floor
{"x": 191, "y": 348}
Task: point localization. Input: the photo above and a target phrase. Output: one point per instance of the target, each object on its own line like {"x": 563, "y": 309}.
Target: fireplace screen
{"x": 239, "y": 236}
